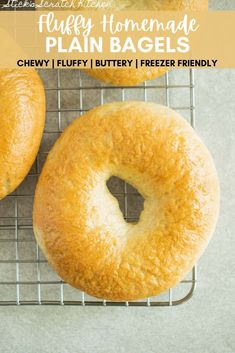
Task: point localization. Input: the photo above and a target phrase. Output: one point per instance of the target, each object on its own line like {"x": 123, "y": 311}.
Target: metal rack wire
{"x": 25, "y": 276}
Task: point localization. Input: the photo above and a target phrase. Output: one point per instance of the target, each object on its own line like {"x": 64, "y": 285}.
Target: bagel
{"x": 142, "y": 5}
{"x": 22, "y": 117}
{"x": 132, "y": 76}
{"x": 78, "y": 223}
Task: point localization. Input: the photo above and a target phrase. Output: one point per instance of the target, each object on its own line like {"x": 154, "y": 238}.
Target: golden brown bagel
{"x": 160, "y": 5}
{"x": 126, "y": 77}
{"x": 22, "y": 116}
{"x": 78, "y": 223}
{"x": 131, "y": 77}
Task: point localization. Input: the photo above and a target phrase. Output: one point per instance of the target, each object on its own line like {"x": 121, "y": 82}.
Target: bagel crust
{"x": 78, "y": 223}
{"x": 22, "y": 117}
{"x": 142, "y": 5}
{"x": 126, "y": 76}
{"x": 132, "y": 76}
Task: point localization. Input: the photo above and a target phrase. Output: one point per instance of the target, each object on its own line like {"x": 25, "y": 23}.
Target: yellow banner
{"x": 63, "y": 39}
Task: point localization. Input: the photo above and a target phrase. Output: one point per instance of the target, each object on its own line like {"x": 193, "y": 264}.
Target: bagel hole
{"x": 131, "y": 202}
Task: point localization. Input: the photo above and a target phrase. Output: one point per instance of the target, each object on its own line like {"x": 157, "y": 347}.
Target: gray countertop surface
{"x": 205, "y": 324}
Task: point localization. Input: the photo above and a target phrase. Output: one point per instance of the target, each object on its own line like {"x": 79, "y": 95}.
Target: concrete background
{"x": 205, "y": 324}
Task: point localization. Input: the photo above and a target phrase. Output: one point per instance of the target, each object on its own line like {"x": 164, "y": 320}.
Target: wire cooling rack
{"x": 25, "y": 276}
